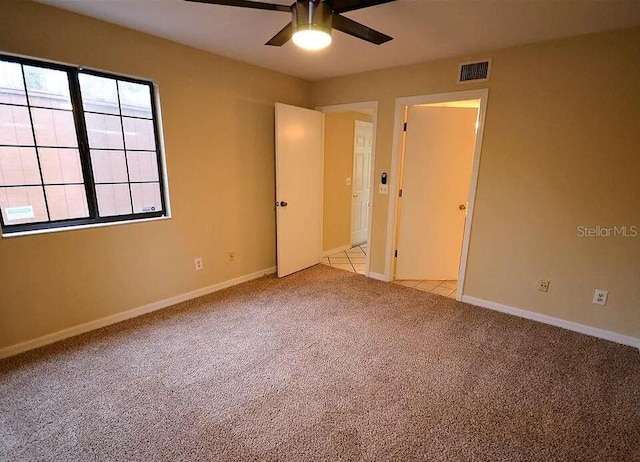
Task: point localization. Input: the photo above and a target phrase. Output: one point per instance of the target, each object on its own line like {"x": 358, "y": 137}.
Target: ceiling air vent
{"x": 477, "y": 71}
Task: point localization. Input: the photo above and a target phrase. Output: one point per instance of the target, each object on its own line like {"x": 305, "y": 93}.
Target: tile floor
{"x": 446, "y": 288}
{"x": 350, "y": 260}
{"x": 354, "y": 260}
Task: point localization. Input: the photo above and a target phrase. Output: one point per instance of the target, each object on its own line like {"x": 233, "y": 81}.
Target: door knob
{"x": 283, "y": 204}
{"x": 462, "y": 207}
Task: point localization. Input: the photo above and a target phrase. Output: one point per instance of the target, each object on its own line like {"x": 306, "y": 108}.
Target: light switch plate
{"x": 348, "y": 182}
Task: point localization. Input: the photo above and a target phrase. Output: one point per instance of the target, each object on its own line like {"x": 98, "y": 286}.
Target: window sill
{"x": 74, "y": 228}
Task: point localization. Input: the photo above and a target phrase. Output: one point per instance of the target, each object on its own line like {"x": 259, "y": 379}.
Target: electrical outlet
{"x": 198, "y": 263}
{"x": 543, "y": 285}
{"x": 600, "y": 297}
{"x": 231, "y": 256}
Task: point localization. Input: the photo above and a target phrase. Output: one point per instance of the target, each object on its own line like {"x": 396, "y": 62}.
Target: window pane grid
{"x": 3, "y": 103}
{"x": 26, "y": 185}
{"x": 120, "y": 149}
{"x": 40, "y": 184}
{"x": 125, "y": 170}
{"x": 124, "y": 182}
{"x": 110, "y": 114}
{"x": 41, "y": 146}
{"x": 35, "y": 106}
{"x": 46, "y": 155}
{"x": 33, "y": 131}
{"x": 62, "y": 193}
{"x": 124, "y": 144}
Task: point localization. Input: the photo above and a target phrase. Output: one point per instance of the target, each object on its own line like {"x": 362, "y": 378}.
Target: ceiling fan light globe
{"x": 312, "y": 39}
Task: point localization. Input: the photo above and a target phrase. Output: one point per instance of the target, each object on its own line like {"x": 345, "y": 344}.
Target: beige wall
{"x": 219, "y": 135}
{"x": 560, "y": 151}
{"x": 338, "y": 166}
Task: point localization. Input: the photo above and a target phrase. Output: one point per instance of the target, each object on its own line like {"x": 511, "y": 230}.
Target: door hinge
{"x": 400, "y": 193}
{"x": 396, "y": 254}
{"x": 404, "y": 127}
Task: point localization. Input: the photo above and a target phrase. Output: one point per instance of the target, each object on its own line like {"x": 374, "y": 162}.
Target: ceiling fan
{"x": 313, "y": 20}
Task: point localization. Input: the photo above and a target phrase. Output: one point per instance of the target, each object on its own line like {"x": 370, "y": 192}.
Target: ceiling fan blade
{"x": 358, "y": 30}
{"x": 281, "y": 37}
{"x": 246, "y": 4}
{"x": 342, "y": 6}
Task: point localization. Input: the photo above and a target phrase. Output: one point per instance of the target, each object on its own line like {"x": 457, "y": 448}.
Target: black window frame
{"x": 73, "y": 73}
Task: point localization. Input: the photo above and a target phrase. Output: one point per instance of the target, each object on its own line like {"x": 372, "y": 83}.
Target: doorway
{"x": 348, "y": 172}
{"x": 436, "y": 172}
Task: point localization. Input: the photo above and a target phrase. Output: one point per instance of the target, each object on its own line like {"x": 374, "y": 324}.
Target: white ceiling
{"x": 423, "y": 30}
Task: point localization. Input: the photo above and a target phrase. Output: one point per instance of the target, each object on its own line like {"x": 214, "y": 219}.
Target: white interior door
{"x": 437, "y": 167}
{"x": 362, "y": 145}
{"x": 299, "y": 182}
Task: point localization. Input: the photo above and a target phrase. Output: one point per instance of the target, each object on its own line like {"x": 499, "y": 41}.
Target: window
{"x": 77, "y": 147}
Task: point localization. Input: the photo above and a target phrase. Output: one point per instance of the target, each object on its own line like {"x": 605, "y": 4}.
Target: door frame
{"x": 360, "y": 123}
{"x": 396, "y": 166}
{"x": 365, "y": 105}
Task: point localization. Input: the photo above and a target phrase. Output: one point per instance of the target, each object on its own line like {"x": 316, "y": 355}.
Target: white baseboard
{"x": 118, "y": 317}
{"x": 339, "y": 249}
{"x": 543, "y": 318}
{"x": 378, "y": 276}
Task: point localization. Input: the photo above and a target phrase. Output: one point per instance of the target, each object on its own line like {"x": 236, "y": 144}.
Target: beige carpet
{"x": 323, "y": 365}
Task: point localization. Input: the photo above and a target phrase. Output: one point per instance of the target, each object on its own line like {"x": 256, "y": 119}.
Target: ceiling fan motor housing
{"x": 313, "y": 20}
{"x": 311, "y": 15}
